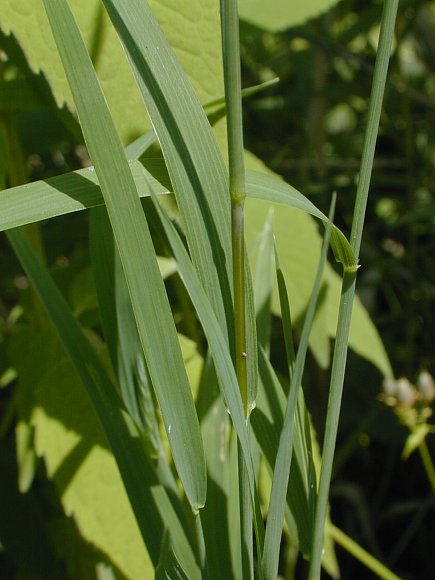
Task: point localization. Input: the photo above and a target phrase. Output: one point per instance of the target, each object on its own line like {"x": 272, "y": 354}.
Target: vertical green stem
{"x": 231, "y": 58}
{"x": 349, "y": 280}
{"x": 233, "y": 100}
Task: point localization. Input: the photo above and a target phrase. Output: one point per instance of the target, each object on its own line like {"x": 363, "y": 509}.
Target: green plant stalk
{"x": 362, "y": 555}
{"x": 231, "y": 58}
{"x": 427, "y": 463}
{"x": 233, "y": 101}
{"x": 349, "y": 281}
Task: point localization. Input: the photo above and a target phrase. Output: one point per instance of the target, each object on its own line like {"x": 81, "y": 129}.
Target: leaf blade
{"x": 267, "y": 187}
{"x": 221, "y": 357}
{"x": 285, "y": 448}
{"x": 193, "y": 158}
{"x": 153, "y": 315}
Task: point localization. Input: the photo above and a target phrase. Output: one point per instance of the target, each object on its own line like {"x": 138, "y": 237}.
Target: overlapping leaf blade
{"x": 150, "y": 304}
{"x": 221, "y": 357}
{"x": 75, "y": 191}
{"x": 79, "y": 190}
{"x": 195, "y": 165}
{"x": 117, "y": 320}
{"x": 194, "y": 162}
{"x": 268, "y": 187}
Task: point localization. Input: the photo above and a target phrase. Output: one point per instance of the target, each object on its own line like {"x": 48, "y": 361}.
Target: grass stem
{"x": 233, "y": 100}
{"x": 349, "y": 281}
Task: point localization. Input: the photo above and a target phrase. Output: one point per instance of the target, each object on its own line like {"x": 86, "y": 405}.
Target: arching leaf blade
{"x": 267, "y": 187}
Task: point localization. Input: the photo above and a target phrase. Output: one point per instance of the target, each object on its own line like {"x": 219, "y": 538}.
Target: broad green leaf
{"x": 281, "y": 14}
{"x": 194, "y": 162}
{"x": 76, "y": 455}
{"x": 199, "y": 52}
{"x": 17, "y": 95}
{"x": 152, "y": 507}
{"x": 152, "y": 312}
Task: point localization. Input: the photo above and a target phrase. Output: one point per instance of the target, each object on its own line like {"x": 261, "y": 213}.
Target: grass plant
{"x": 176, "y": 450}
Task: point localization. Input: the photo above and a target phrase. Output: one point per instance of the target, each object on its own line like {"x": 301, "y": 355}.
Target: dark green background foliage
{"x": 308, "y": 128}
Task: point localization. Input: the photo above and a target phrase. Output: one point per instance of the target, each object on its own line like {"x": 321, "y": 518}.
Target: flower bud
{"x": 426, "y": 386}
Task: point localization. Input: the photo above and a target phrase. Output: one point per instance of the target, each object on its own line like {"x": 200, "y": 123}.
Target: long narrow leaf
{"x": 263, "y": 283}
{"x": 63, "y": 194}
{"x": 221, "y": 357}
{"x": 79, "y": 190}
{"x": 193, "y": 158}
{"x": 214, "y": 427}
{"x": 386, "y": 38}
{"x": 267, "y": 423}
{"x": 117, "y": 320}
{"x": 263, "y": 186}
{"x": 281, "y": 473}
{"x": 149, "y": 300}
{"x": 149, "y": 500}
